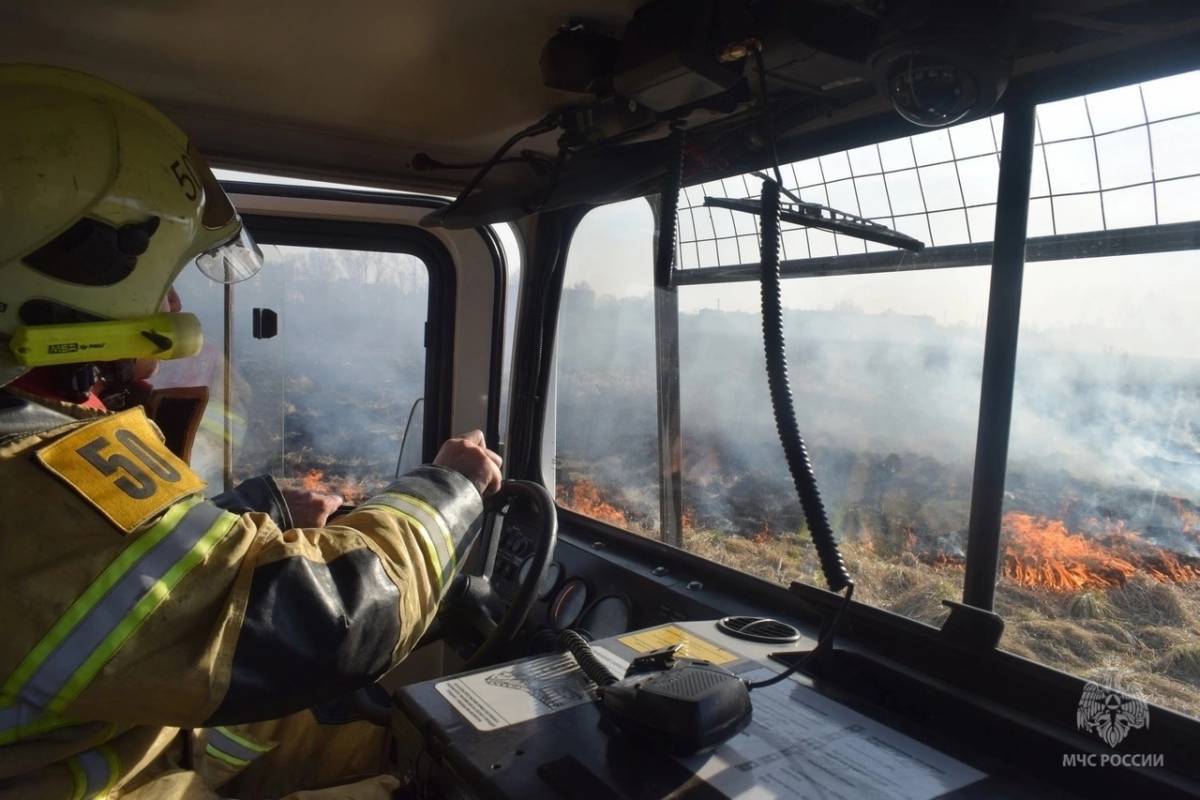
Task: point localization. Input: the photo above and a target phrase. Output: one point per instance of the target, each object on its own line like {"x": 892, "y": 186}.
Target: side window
{"x": 342, "y": 376}
{"x": 1100, "y": 569}
{"x": 324, "y": 404}
{"x": 606, "y": 425}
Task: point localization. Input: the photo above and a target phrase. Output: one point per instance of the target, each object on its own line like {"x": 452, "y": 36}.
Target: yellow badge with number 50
{"x": 120, "y": 465}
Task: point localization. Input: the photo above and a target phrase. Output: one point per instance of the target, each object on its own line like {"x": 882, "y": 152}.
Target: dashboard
{"x": 593, "y": 586}
{"x": 570, "y": 595}
{"x": 936, "y": 685}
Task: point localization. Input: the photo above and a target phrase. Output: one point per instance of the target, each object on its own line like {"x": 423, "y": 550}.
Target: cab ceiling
{"x": 351, "y": 91}
{"x": 316, "y": 89}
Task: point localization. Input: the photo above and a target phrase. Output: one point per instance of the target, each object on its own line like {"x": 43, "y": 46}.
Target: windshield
{"x": 1100, "y": 531}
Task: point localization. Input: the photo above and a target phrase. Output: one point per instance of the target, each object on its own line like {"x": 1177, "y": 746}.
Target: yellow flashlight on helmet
{"x": 158, "y": 336}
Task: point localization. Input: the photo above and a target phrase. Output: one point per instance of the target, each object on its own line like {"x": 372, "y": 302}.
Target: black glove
{"x": 257, "y": 494}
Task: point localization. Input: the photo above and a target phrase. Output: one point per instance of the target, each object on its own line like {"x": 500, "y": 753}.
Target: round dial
{"x": 568, "y": 604}
{"x": 549, "y": 580}
{"x": 608, "y": 616}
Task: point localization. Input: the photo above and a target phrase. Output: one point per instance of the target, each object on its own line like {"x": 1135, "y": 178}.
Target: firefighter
{"x": 132, "y": 606}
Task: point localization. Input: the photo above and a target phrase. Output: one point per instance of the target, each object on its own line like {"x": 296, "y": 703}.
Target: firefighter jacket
{"x": 132, "y": 606}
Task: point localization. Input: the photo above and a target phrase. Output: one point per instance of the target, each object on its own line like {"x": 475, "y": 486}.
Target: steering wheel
{"x": 473, "y": 603}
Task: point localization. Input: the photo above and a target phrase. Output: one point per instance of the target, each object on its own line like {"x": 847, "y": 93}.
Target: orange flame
{"x": 1043, "y": 553}
{"x": 314, "y": 480}
{"x": 584, "y": 496}
{"x": 350, "y": 489}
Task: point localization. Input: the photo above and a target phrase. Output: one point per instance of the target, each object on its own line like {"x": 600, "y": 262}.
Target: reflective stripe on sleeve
{"x": 215, "y": 424}
{"x": 93, "y": 773}
{"x": 23, "y": 720}
{"x": 243, "y": 740}
{"x": 434, "y": 537}
{"x": 225, "y": 758}
{"x": 232, "y": 748}
{"x": 109, "y": 611}
{"x": 439, "y": 522}
{"x": 430, "y": 520}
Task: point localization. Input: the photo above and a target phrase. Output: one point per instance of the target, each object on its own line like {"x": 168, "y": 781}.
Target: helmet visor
{"x": 232, "y": 262}
{"x": 238, "y": 258}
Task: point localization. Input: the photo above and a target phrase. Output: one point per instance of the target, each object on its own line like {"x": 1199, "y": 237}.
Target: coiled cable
{"x": 668, "y": 210}
{"x": 578, "y": 646}
{"x": 774, "y": 348}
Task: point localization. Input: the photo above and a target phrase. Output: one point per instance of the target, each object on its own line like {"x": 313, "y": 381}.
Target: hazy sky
{"x": 1143, "y": 304}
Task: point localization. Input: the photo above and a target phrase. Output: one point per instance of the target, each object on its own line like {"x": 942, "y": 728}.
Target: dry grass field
{"x": 1142, "y": 628}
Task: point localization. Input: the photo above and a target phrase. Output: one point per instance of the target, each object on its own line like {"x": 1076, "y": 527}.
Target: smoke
{"x": 888, "y": 404}
{"x": 607, "y": 419}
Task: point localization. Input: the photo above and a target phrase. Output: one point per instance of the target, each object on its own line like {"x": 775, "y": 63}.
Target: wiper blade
{"x": 815, "y": 215}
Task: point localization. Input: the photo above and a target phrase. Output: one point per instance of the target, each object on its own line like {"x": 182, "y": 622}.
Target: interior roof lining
{"x": 431, "y": 74}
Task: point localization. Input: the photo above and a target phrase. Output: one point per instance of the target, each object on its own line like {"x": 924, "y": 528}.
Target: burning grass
{"x": 350, "y": 489}
{"x": 1092, "y": 602}
{"x": 584, "y": 497}
{"x": 1043, "y": 553}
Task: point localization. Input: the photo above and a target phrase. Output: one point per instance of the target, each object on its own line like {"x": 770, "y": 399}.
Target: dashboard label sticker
{"x": 693, "y": 645}
{"x": 802, "y": 744}
{"x": 524, "y": 690}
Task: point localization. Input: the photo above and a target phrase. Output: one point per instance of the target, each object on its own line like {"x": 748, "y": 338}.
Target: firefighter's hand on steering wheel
{"x": 468, "y": 454}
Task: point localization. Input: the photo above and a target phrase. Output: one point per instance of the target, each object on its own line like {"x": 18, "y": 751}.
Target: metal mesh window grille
{"x": 1120, "y": 158}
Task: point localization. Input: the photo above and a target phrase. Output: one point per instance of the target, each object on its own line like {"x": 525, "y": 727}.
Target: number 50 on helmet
{"x": 103, "y": 201}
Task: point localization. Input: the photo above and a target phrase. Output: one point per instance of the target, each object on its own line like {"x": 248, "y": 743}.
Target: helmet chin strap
{"x": 119, "y": 387}
{"x": 79, "y": 380}
{"x": 114, "y": 384}
{"x": 69, "y": 383}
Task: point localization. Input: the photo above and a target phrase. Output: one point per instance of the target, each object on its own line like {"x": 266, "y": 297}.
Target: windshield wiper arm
{"x": 815, "y": 215}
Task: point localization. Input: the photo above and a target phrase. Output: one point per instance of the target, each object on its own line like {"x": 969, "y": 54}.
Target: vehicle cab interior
{"x": 842, "y": 355}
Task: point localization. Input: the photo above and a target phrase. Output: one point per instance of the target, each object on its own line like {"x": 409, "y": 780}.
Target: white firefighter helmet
{"x": 103, "y": 201}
